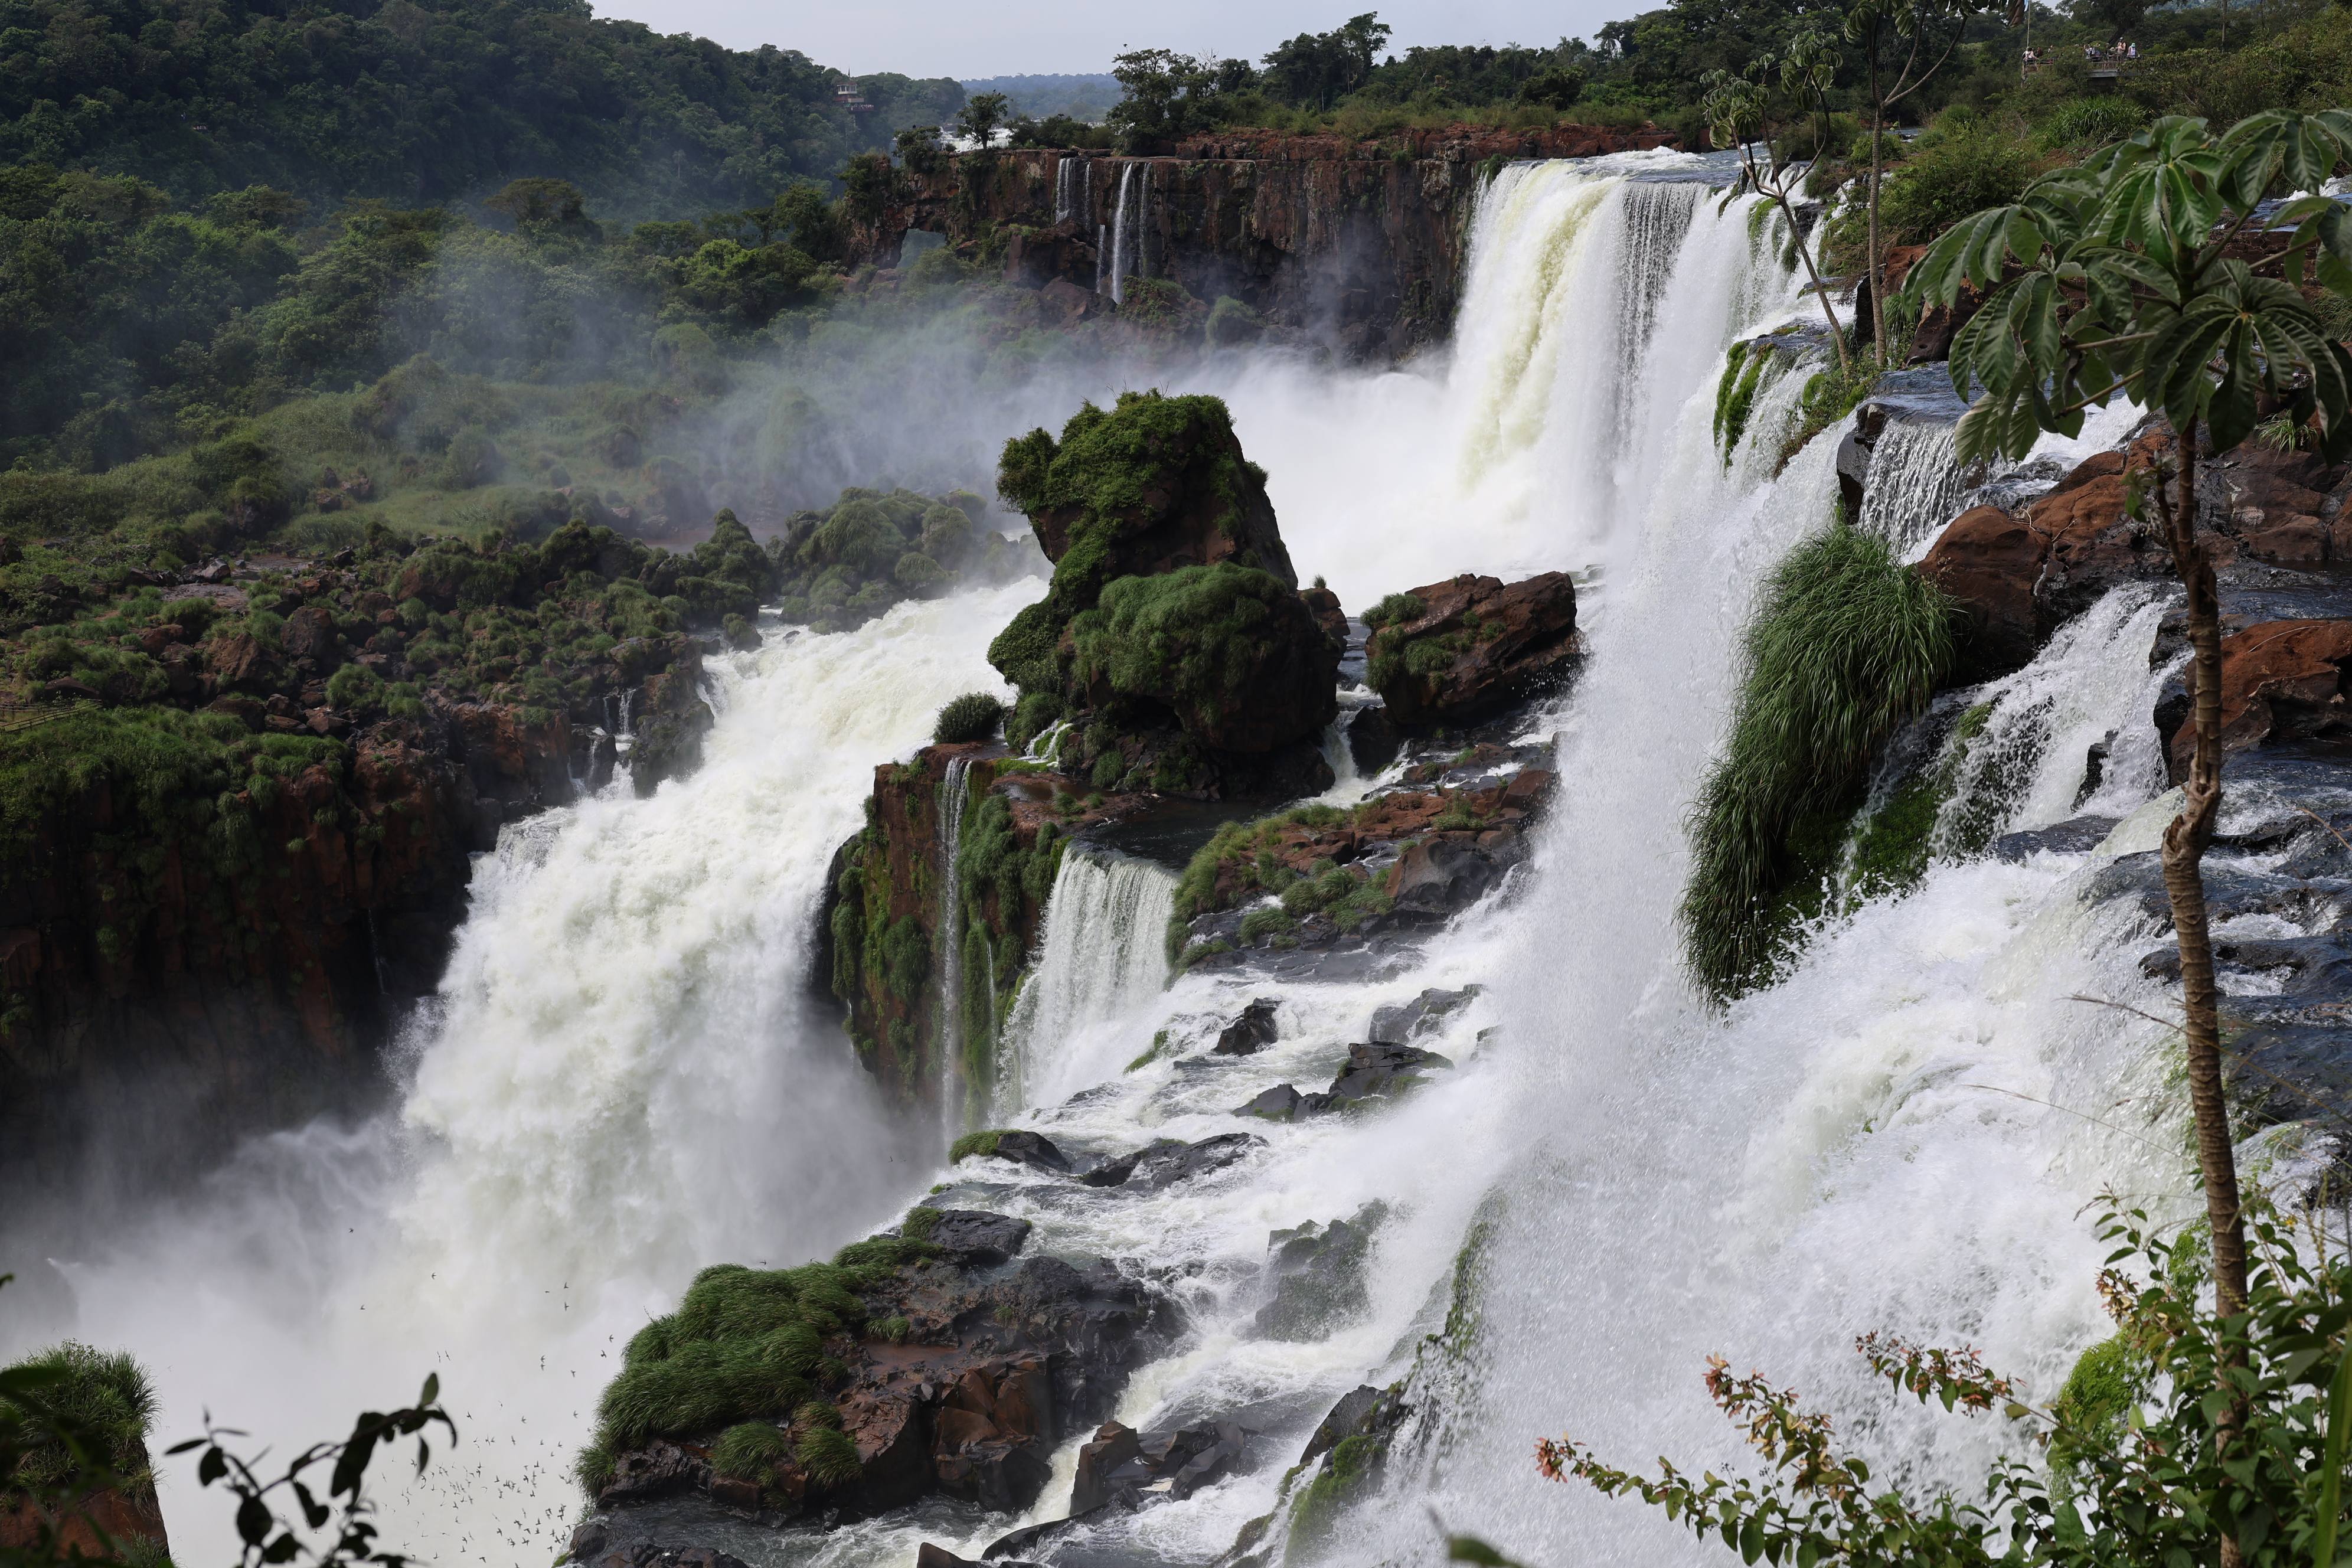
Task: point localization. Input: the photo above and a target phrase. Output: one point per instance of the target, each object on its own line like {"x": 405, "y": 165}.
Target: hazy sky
{"x": 968, "y": 38}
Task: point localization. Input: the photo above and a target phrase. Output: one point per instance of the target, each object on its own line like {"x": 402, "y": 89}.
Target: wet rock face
{"x": 2285, "y": 984}
{"x": 1474, "y": 646}
{"x": 1251, "y": 1032}
{"x": 1315, "y": 1276}
{"x": 1373, "y": 1072}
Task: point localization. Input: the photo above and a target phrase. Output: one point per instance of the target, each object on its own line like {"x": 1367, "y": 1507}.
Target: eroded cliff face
{"x": 170, "y": 985}
{"x": 1363, "y": 243}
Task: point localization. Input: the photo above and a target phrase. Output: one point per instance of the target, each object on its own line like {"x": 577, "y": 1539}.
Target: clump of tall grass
{"x": 103, "y": 1395}
{"x": 1847, "y": 647}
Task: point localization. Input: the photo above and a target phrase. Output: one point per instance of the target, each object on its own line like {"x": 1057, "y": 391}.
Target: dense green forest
{"x": 428, "y": 103}
{"x": 2219, "y": 58}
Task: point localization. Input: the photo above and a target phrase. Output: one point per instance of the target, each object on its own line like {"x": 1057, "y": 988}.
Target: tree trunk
{"x": 1821, "y": 291}
{"x": 2185, "y": 842}
{"x": 1876, "y": 267}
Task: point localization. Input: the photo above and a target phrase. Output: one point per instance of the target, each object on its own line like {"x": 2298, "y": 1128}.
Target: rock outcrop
{"x": 932, "y": 1366}
{"x": 1363, "y": 243}
{"x": 1331, "y": 892}
{"x": 1453, "y": 652}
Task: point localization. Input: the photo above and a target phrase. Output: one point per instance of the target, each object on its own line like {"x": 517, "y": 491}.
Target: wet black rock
{"x": 1379, "y": 1071}
{"x": 2076, "y": 836}
{"x": 1373, "y": 740}
{"x": 1032, "y": 1149}
{"x": 660, "y": 1470}
{"x": 1438, "y": 877}
{"x": 930, "y": 1556}
{"x": 598, "y": 1544}
{"x": 1424, "y": 1015}
{"x": 971, "y": 1237}
{"x": 1251, "y": 1033}
{"x": 1114, "y": 1446}
{"x": 1374, "y": 1071}
{"x": 1364, "y": 1411}
{"x": 1168, "y": 1160}
{"x": 1315, "y": 1276}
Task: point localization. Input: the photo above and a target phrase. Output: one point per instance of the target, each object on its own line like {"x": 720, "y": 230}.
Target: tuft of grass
{"x": 102, "y": 1393}
{"x": 748, "y": 1451}
{"x": 743, "y": 1344}
{"x": 974, "y": 716}
{"x": 1848, "y": 645}
{"x": 828, "y": 1456}
{"x": 980, "y": 1144}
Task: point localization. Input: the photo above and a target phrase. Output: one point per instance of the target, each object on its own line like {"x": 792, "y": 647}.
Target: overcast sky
{"x": 966, "y": 38}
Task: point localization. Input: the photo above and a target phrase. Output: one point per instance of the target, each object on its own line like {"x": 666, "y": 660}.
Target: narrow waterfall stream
{"x": 623, "y": 1079}
{"x": 954, "y": 796}
{"x": 1101, "y": 965}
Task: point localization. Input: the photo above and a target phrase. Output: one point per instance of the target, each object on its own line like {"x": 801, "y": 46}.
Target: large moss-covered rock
{"x": 1234, "y": 655}
{"x": 843, "y": 566}
{"x": 1173, "y": 634}
{"x": 1152, "y": 485}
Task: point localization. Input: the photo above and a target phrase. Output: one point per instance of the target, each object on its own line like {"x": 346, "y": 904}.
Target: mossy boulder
{"x": 1455, "y": 651}
{"x": 1153, "y": 484}
{"x": 1233, "y": 653}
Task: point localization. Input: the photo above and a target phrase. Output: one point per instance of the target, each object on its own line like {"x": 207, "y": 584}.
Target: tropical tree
{"x": 1900, "y": 51}
{"x": 2124, "y": 277}
{"x": 1736, "y": 108}
{"x": 982, "y": 115}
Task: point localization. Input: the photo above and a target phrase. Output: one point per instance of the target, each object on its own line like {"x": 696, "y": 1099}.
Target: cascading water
{"x": 616, "y": 1089}
{"x": 1101, "y": 960}
{"x": 1119, "y": 221}
{"x": 619, "y": 1083}
{"x": 954, "y": 794}
{"x": 1914, "y": 484}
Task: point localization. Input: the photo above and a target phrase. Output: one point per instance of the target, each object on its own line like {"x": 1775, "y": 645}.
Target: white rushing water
{"x": 1101, "y": 964}
{"x": 621, "y": 1081}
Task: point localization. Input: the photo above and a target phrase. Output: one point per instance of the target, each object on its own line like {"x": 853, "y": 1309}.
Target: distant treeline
{"x": 426, "y": 101}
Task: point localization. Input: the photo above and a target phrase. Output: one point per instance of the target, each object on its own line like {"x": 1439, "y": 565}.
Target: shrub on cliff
{"x": 1847, "y": 646}
{"x": 974, "y": 716}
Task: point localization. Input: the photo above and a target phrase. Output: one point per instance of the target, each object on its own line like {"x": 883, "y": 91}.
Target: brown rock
{"x": 2281, "y": 681}
{"x": 1989, "y": 563}
{"x": 1476, "y": 646}
{"x": 1324, "y": 606}
{"x": 155, "y": 639}
{"x": 728, "y": 1493}
{"x": 310, "y": 634}
{"x": 239, "y": 661}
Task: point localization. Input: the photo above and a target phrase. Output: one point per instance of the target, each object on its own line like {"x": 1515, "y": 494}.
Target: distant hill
{"x": 418, "y": 101}
{"x": 1087, "y": 97}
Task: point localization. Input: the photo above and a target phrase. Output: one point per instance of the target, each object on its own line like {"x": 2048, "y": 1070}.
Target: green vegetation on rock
{"x": 974, "y": 716}
{"x": 1847, "y": 645}
{"x": 103, "y": 1395}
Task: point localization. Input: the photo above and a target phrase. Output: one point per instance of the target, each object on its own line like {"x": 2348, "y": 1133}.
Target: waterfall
{"x": 618, "y": 1083}
{"x": 954, "y": 796}
{"x": 1118, "y": 237}
{"x": 1100, "y": 958}
{"x": 1915, "y": 484}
